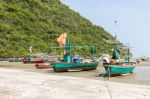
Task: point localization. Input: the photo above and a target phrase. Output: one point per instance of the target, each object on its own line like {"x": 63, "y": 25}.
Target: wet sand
{"x": 141, "y": 74}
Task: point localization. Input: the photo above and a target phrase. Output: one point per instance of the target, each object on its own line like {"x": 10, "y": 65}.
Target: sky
{"x": 132, "y": 16}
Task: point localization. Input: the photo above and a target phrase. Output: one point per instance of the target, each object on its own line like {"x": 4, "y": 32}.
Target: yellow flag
{"x": 62, "y": 39}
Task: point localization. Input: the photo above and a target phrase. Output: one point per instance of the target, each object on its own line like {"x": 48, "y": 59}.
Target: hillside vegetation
{"x": 37, "y": 23}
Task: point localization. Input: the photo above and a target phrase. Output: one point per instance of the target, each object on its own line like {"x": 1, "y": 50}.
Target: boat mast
{"x": 68, "y": 52}
{"x": 115, "y": 37}
{"x": 128, "y": 52}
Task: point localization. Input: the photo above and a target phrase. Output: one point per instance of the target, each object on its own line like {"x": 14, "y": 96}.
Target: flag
{"x": 62, "y": 39}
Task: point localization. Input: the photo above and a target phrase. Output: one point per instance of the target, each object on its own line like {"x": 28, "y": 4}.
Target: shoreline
{"x": 140, "y": 75}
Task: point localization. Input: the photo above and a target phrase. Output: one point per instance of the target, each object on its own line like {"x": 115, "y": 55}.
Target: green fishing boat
{"x": 113, "y": 65}
{"x": 118, "y": 69}
{"x": 70, "y": 62}
{"x": 62, "y": 66}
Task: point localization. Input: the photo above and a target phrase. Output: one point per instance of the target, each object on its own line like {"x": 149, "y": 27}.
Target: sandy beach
{"x": 141, "y": 74}
{"x": 24, "y": 81}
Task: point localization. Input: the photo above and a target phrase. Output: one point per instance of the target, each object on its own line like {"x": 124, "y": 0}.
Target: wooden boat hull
{"x": 114, "y": 69}
{"x": 43, "y": 65}
{"x": 62, "y": 67}
{"x": 34, "y": 61}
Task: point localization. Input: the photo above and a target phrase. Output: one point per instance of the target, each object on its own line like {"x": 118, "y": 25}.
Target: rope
{"x": 108, "y": 89}
{"x": 105, "y": 79}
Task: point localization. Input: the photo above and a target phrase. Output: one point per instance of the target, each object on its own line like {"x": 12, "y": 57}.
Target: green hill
{"x": 39, "y": 22}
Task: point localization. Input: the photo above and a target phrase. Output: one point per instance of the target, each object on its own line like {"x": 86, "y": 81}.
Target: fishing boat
{"x": 64, "y": 66}
{"x": 119, "y": 68}
{"x": 47, "y": 63}
{"x": 35, "y": 58}
{"x": 43, "y": 65}
{"x": 69, "y": 61}
{"x": 113, "y": 65}
{"x": 13, "y": 59}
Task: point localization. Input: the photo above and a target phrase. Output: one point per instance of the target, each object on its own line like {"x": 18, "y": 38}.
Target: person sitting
{"x": 116, "y": 55}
